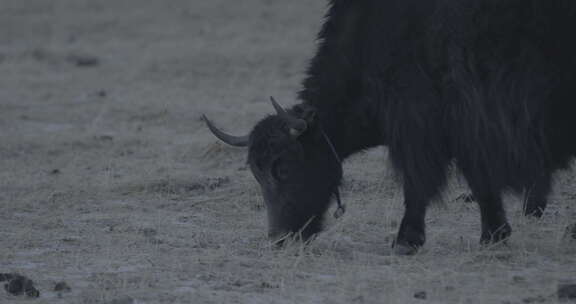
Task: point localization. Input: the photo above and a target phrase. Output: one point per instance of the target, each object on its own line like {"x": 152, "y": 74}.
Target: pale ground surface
{"x": 109, "y": 180}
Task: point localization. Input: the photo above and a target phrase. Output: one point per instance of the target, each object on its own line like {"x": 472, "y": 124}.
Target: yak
{"x": 486, "y": 86}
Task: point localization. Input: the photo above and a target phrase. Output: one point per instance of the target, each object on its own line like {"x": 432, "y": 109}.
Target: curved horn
{"x": 237, "y": 141}
{"x": 279, "y": 109}
{"x": 297, "y": 126}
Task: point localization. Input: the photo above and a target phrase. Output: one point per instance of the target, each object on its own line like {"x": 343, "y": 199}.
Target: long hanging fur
{"x": 487, "y": 83}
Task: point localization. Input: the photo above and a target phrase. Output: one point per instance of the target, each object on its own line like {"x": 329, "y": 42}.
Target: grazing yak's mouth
{"x": 280, "y": 237}
{"x": 298, "y": 181}
{"x": 307, "y": 231}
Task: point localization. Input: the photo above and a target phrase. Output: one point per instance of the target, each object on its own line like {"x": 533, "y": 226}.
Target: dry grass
{"x": 111, "y": 183}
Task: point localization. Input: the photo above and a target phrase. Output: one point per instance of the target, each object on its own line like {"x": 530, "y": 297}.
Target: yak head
{"x": 296, "y": 167}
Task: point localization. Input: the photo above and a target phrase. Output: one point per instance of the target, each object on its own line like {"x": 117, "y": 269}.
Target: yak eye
{"x": 280, "y": 170}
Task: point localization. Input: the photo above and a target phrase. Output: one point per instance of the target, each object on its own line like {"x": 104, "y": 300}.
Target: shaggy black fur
{"x": 485, "y": 84}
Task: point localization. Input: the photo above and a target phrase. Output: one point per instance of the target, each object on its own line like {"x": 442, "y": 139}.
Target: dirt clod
{"x": 83, "y": 60}
{"x": 104, "y": 138}
{"x": 102, "y": 93}
{"x": 18, "y": 285}
{"x": 518, "y": 279}
{"x": 422, "y": 295}
{"x": 62, "y": 287}
{"x": 567, "y": 292}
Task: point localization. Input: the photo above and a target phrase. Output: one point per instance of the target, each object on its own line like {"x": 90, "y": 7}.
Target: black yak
{"x": 486, "y": 85}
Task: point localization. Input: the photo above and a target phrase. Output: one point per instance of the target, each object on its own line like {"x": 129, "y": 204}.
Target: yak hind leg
{"x": 536, "y": 197}
{"x": 495, "y": 227}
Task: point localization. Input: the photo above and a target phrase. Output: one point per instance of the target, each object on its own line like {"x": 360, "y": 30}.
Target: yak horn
{"x": 297, "y": 126}
{"x": 279, "y": 109}
{"x": 237, "y": 141}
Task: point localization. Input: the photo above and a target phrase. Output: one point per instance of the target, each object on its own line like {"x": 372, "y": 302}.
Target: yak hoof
{"x": 404, "y": 249}
{"x": 501, "y": 234}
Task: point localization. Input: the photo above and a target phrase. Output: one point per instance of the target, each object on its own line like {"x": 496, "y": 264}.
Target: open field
{"x": 110, "y": 182}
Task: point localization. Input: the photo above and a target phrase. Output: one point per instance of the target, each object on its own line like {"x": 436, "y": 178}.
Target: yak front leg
{"x": 418, "y": 193}
{"x": 412, "y": 233}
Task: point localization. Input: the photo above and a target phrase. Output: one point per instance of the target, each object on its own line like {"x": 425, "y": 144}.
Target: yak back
{"x": 487, "y": 83}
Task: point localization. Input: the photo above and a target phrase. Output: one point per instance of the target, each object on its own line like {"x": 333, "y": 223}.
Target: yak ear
{"x": 305, "y": 112}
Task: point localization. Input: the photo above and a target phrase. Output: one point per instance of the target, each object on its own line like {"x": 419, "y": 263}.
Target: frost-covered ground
{"x": 110, "y": 182}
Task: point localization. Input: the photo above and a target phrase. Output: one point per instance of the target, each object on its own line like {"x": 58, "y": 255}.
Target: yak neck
{"x": 349, "y": 129}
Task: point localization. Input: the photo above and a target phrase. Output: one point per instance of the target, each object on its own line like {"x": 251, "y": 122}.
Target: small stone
{"x": 83, "y": 60}
{"x": 518, "y": 279}
{"x": 102, "y": 93}
{"x": 69, "y": 240}
{"x": 567, "y": 292}
{"x": 62, "y": 287}
{"x": 104, "y": 137}
{"x": 268, "y": 285}
{"x": 420, "y": 295}
{"x": 55, "y": 171}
